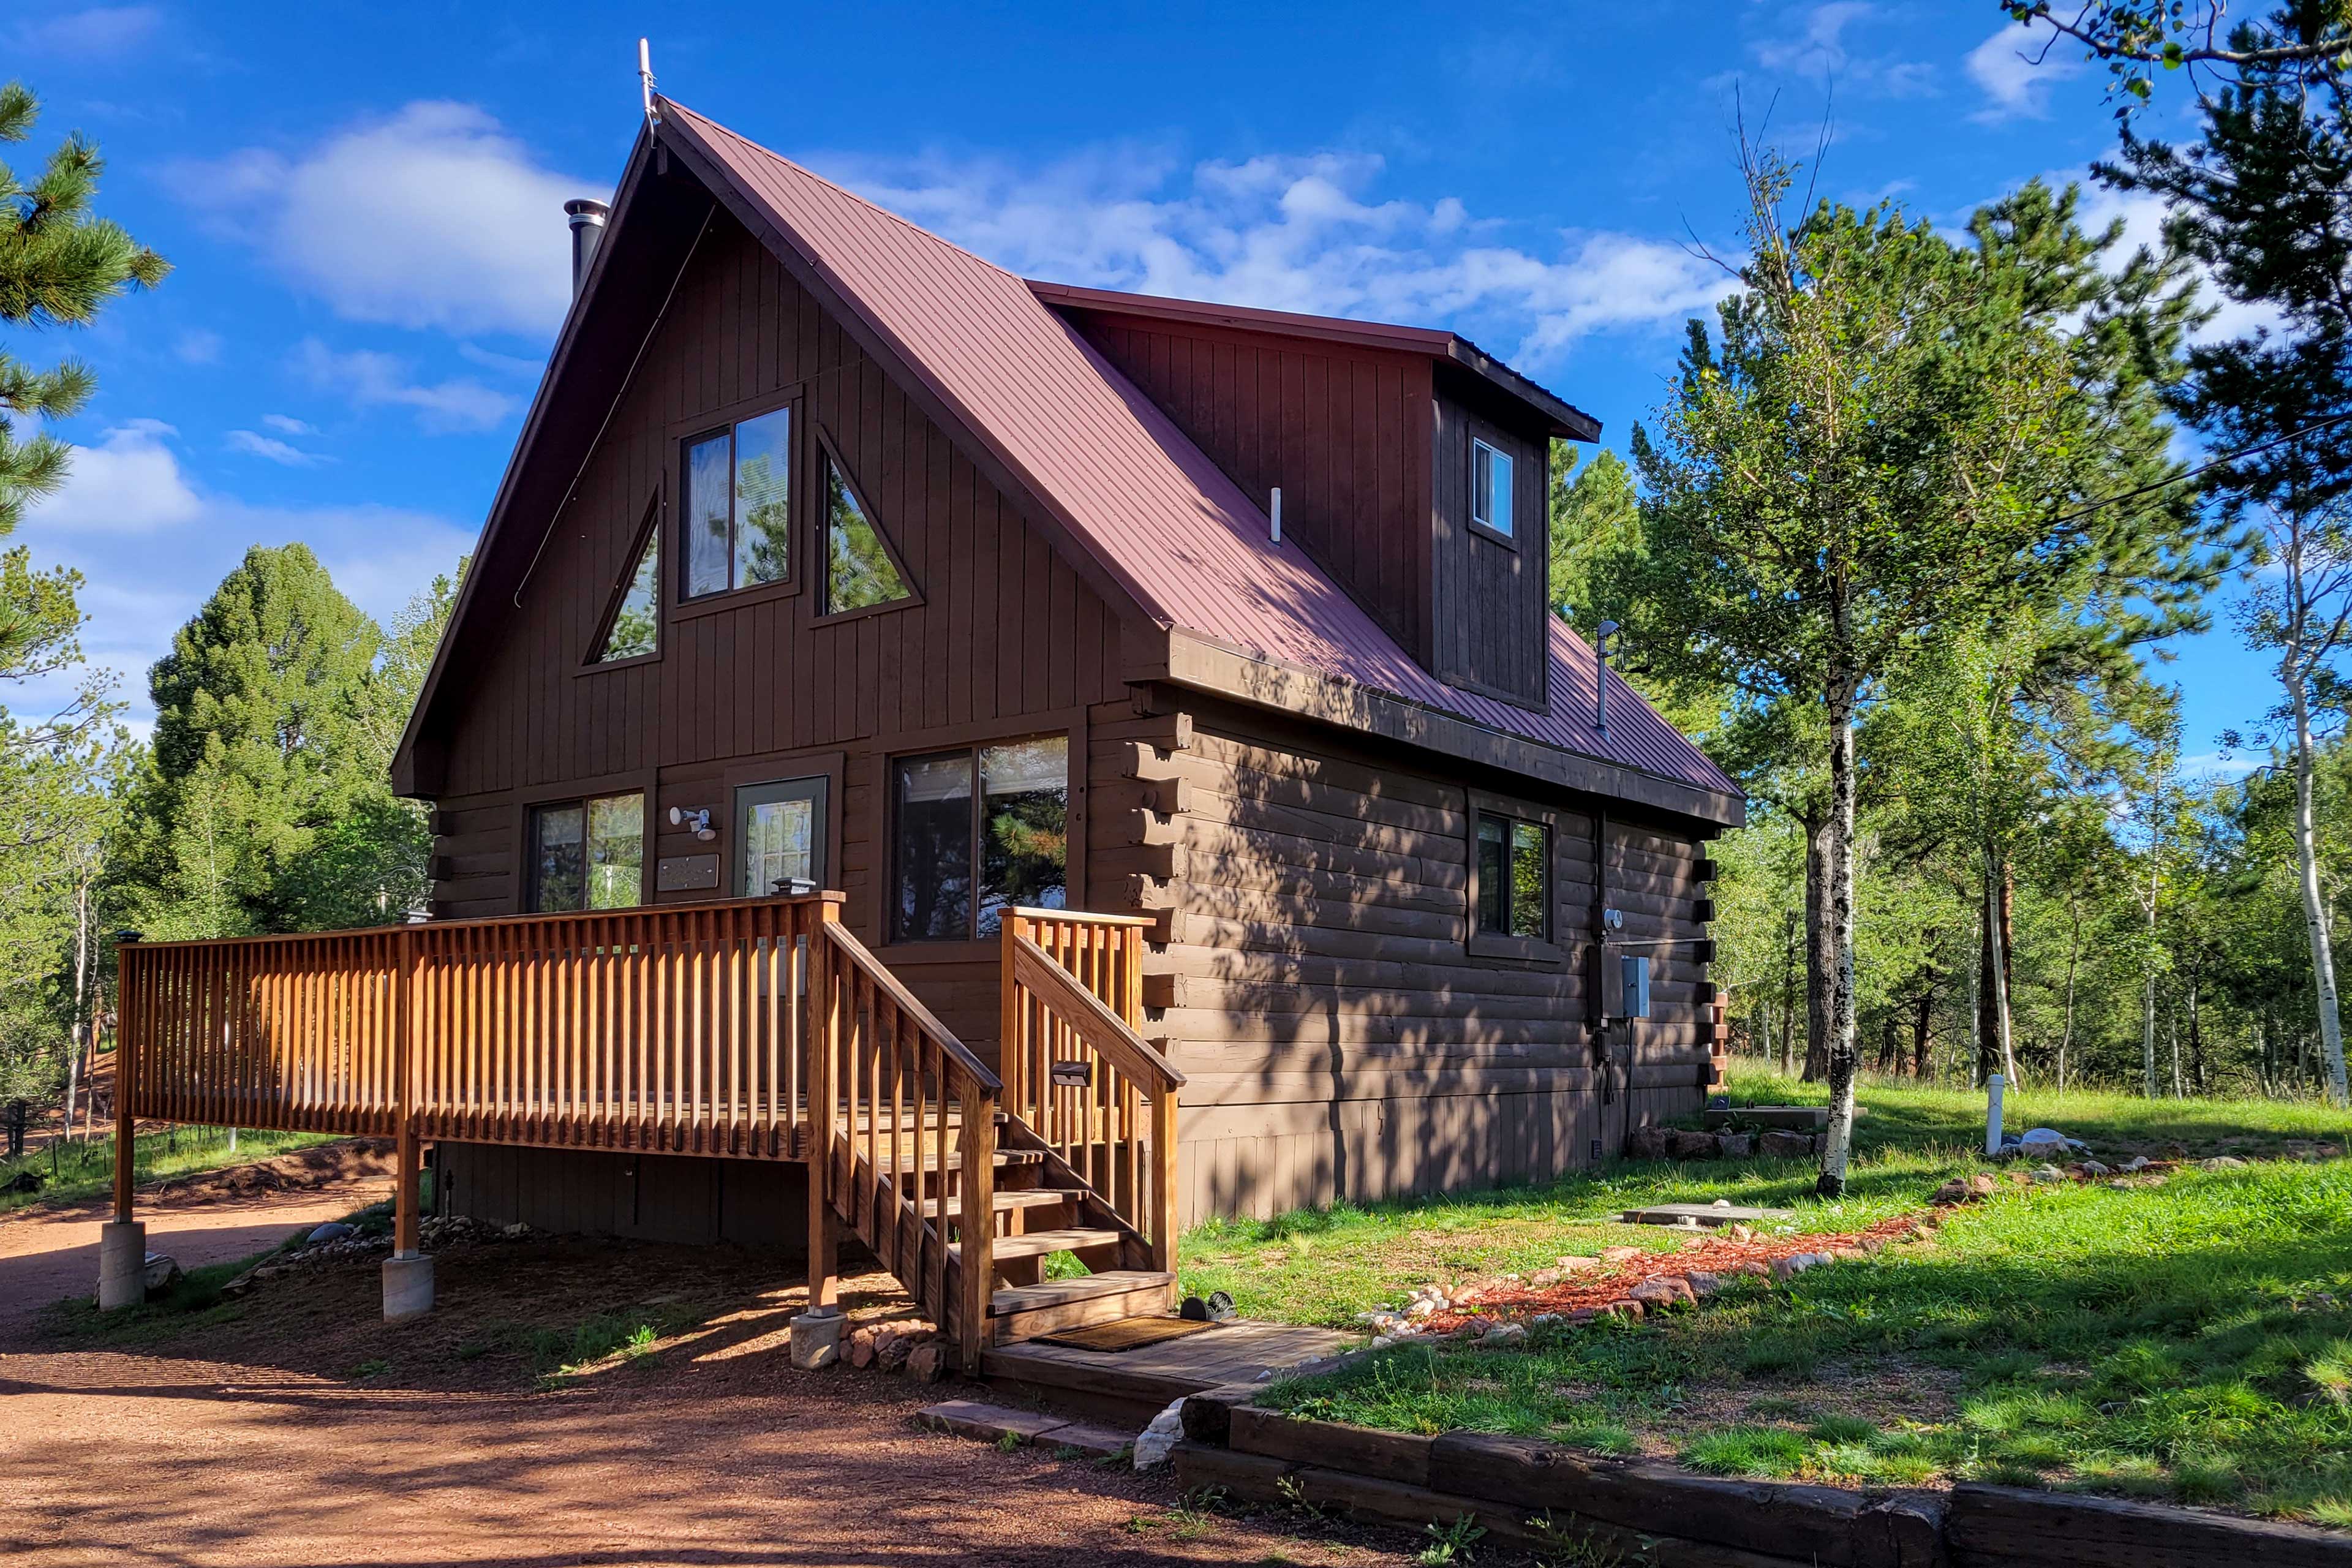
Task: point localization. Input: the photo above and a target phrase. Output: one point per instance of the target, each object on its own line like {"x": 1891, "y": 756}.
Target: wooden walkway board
{"x": 990, "y": 1423}
{"x": 1237, "y": 1351}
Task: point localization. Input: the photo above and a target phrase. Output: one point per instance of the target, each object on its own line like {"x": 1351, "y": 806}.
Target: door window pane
{"x": 933, "y": 804}
{"x": 1494, "y": 878}
{"x": 705, "y": 513}
{"x": 763, "y": 498}
{"x": 557, "y": 879}
{"x": 779, "y": 842}
{"x": 616, "y": 851}
{"x": 1025, "y": 826}
{"x": 857, "y": 570}
{"x": 1529, "y": 880}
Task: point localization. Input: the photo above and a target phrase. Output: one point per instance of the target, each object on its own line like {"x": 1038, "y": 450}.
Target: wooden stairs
{"x": 965, "y": 1182}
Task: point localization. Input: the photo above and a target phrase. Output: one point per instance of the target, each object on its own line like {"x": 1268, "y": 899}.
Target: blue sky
{"x": 363, "y": 206}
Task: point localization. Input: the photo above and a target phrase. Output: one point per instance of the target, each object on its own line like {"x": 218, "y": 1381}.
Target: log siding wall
{"x": 1316, "y": 983}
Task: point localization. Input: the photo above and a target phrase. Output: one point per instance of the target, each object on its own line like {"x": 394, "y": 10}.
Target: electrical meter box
{"x": 1633, "y": 986}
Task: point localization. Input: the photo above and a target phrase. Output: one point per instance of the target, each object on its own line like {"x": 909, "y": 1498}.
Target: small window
{"x": 980, "y": 831}
{"x": 1514, "y": 877}
{"x": 736, "y": 511}
{"x": 588, "y": 854}
{"x": 858, "y": 570}
{"x": 1490, "y": 488}
{"x": 636, "y": 623}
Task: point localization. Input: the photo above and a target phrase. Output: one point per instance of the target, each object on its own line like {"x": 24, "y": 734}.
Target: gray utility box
{"x": 1624, "y": 986}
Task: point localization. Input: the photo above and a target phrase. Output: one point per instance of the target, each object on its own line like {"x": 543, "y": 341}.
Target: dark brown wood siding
{"x": 1490, "y": 596}
{"x": 1343, "y": 431}
{"x": 1319, "y": 990}
{"x": 1006, "y": 639}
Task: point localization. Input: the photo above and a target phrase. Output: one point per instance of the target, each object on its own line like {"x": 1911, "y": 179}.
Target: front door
{"x": 780, "y": 838}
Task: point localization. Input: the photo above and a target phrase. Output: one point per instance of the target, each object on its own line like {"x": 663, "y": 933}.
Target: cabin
{"x": 991, "y": 768}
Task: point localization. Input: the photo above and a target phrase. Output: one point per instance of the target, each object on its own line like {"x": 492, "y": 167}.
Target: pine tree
{"x": 59, "y": 265}
{"x": 261, "y": 747}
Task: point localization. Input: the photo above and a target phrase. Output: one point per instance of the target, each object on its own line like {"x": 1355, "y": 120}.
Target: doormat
{"x": 1126, "y": 1335}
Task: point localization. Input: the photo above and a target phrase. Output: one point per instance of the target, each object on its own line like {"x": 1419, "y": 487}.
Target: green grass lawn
{"x": 2191, "y": 1341}
{"x": 79, "y": 1171}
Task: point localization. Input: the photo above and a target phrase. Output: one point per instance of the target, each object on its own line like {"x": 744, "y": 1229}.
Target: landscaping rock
{"x": 1681, "y": 1145}
{"x": 1574, "y": 1265}
{"x": 2046, "y": 1174}
{"x": 1850, "y": 1254}
{"x": 2093, "y": 1170}
{"x": 2225, "y": 1163}
{"x": 1502, "y": 1335}
{"x": 1702, "y": 1283}
{"x": 1736, "y": 1145}
{"x": 862, "y": 1348}
{"x": 2043, "y": 1141}
{"x": 1156, "y": 1441}
{"x": 1666, "y": 1290}
{"x": 1743, "y": 1233}
{"x": 2136, "y": 1163}
{"x": 928, "y": 1362}
{"x": 1796, "y": 1263}
{"x": 333, "y": 1230}
{"x": 1781, "y": 1145}
{"x": 162, "y": 1272}
{"x": 1622, "y": 1254}
{"x": 1646, "y": 1143}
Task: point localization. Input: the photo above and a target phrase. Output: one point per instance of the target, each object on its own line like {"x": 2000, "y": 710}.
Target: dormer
{"x": 1413, "y": 466}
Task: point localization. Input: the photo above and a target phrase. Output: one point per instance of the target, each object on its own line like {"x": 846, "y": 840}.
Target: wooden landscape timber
{"x": 1559, "y": 1500}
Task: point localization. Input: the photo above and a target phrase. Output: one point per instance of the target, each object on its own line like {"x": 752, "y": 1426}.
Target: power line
{"x": 2256, "y": 450}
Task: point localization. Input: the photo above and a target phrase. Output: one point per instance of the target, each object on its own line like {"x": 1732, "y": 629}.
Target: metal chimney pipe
{"x": 587, "y": 233}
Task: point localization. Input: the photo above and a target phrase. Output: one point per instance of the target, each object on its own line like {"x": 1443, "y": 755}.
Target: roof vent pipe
{"x": 1274, "y": 514}
{"x": 587, "y": 233}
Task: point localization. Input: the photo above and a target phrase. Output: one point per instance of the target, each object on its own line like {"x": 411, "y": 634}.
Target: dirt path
{"x": 49, "y": 1253}
{"x": 296, "y": 1428}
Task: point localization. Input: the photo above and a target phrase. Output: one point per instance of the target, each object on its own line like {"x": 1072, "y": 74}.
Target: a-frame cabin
{"x": 1216, "y": 816}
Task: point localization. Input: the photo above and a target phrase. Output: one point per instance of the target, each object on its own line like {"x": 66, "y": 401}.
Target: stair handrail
{"x": 976, "y": 1092}
{"x": 1049, "y": 1008}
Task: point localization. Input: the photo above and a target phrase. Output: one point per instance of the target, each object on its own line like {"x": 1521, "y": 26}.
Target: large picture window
{"x": 588, "y": 854}
{"x": 736, "y": 511}
{"x": 978, "y": 831}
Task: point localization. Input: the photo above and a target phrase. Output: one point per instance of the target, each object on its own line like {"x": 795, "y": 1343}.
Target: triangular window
{"x": 635, "y": 618}
{"x": 858, "y": 568}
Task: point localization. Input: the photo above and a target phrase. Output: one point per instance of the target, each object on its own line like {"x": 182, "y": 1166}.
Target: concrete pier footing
{"x": 121, "y": 1264}
{"x": 407, "y": 1288}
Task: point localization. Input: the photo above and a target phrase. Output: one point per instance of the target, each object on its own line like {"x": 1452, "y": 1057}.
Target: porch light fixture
{"x": 697, "y": 817}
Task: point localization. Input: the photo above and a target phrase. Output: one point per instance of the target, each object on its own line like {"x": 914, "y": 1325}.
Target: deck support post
{"x": 407, "y": 1273}
{"x": 123, "y": 1243}
{"x": 976, "y": 1281}
{"x": 823, "y": 1051}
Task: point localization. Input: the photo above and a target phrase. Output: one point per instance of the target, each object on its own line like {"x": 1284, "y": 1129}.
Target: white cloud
{"x": 198, "y": 346}
{"x": 254, "y": 443}
{"x": 130, "y": 482}
{"x": 2142, "y": 214}
{"x": 287, "y": 424}
{"x": 1291, "y": 233}
{"x": 97, "y": 33}
{"x": 1819, "y": 49}
{"x": 505, "y": 364}
{"x": 2016, "y": 68}
{"x": 435, "y": 217}
{"x": 368, "y": 377}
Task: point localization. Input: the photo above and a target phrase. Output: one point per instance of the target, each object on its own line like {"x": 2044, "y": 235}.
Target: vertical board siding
{"x": 1338, "y": 428}
{"x": 1490, "y": 598}
{"x": 1006, "y": 627}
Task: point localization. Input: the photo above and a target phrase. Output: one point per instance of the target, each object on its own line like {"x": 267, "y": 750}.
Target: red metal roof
{"x": 1162, "y": 519}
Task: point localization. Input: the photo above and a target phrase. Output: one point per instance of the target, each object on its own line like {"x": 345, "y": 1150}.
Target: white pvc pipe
{"x": 1992, "y": 1114}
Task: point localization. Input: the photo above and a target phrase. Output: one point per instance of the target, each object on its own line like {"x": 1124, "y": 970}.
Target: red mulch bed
{"x": 1719, "y": 1253}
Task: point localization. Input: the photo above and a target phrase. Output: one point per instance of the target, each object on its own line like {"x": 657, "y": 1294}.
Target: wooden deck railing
{"x": 1077, "y": 1075}
{"x": 659, "y": 1029}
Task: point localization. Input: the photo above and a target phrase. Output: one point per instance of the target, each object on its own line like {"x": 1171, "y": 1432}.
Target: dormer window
{"x": 1490, "y": 488}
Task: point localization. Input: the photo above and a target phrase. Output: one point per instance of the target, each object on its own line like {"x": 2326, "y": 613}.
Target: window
{"x": 1510, "y": 881}
{"x": 636, "y": 623}
{"x": 588, "y": 854}
{"x": 858, "y": 570}
{"x": 737, "y": 506}
{"x": 782, "y": 828}
{"x": 979, "y": 831}
{"x": 1490, "y": 488}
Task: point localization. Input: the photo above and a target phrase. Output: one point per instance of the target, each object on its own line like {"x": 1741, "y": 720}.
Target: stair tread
{"x": 1086, "y": 1288}
{"x": 1039, "y": 1243}
{"x": 1006, "y": 1200}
